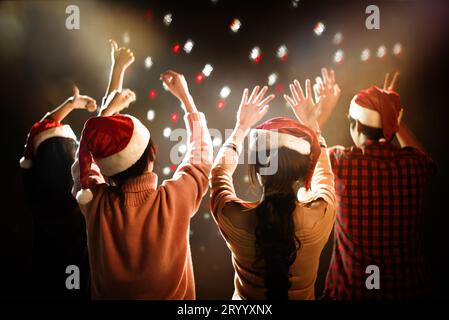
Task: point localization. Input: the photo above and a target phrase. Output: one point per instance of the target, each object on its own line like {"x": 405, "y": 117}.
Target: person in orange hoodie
{"x": 138, "y": 232}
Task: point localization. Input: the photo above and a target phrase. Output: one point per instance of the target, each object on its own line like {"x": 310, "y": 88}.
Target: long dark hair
{"x": 276, "y": 242}
{"x": 48, "y": 183}
{"x": 136, "y": 169}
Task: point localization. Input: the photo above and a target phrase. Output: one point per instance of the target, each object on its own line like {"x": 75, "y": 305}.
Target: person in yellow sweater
{"x": 138, "y": 232}
{"x": 276, "y": 242}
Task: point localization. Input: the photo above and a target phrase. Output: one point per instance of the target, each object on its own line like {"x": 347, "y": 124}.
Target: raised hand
{"x": 305, "y": 109}
{"x": 390, "y": 86}
{"x": 121, "y": 57}
{"x": 327, "y": 92}
{"x": 117, "y": 101}
{"x": 176, "y": 84}
{"x": 253, "y": 108}
{"x": 82, "y": 102}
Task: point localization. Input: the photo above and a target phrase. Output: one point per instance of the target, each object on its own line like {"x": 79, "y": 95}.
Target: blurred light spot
{"x": 338, "y": 39}
{"x": 397, "y": 49}
{"x": 148, "y": 62}
{"x": 199, "y": 78}
{"x": 282, "y": 52}
{"x": 149, "y": 15}
{"x": 176, "y": 48}
{"x": 246, "y": 179}
{"x": 152, "y": 94}
{"x": 166, "y": 171}
{"x": 168, "y": 18}
{"x": 279, "y": 88}
{"x": 188, "y": 46}
{"x": 381, "y": 52}
{"x": 206, "y": 216}
{"x": 365, "y": 55}
{"x": 174, "y": 117}
{"x": 150, "y": 115}
{"x": 126, "y": 38}
{"x": 272, "y": 78}
{"x": 339, "y": 56}
{"x": 319, "y": 28}
{"x": 255, "y": 55}
{"x": 225, "y": 92}
{"x": 182, "y": 148}
{"x": 166, "y": 132}
{"x": 235, "y": 25}
{"x": 220, "y": 104}
{"x": 295, "y": 3}
{"x": 207, "y": 70}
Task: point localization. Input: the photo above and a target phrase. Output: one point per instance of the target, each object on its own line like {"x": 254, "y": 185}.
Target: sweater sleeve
{"x": 322, "y": 185}
{"x": 222, "y": 186}
{"x": 190, "y": 181}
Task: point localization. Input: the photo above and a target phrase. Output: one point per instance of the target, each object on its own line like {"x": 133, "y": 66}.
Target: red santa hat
{"x": 41, "y": 131}
{"x": 284, "y": 132}
{"x": 115, "y": 143}
{"x": 377, "y": 108}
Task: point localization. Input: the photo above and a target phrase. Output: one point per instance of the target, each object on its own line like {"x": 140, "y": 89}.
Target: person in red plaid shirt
{"x": 380, "y": 189}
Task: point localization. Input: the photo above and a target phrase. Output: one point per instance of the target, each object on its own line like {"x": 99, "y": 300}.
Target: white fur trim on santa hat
{"x": 84, "y": 196}
{"x": 63, "y": 131}
{"x": 269, "y": 139}
{"x": 366, "y": 116}
{"x": 125, "y": 158}
{"x": 25, "y": 163}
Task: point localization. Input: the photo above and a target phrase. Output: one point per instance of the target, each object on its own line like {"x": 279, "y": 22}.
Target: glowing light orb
{"x": 225, "y": 92}
{"x": 207, "y": 70}
{"x": 148, "y": 62}
{"x": 319, "y": 28}
{"x": 174, "y": 117}
{"x": 220, "y": 104}
{"x": 282, "y": 52}
{"x": 188, "y": 46}
{"x": 365, "y": 55}
{"x": 397, "y": 49}
{"x": 151, "y": 114}
{"x": 339, "y": 56}
{"x": 199, "y": 78}
{"x": 381, "y": 52}
{"x": 166, "y": 171}
{"x": 152, "y": 94}
{"x": 295, "y": 3}
{"x": 246, "y": 179}
{"x": 337, "y": 39}
{"x": 279, "y": 88}
{"x": 167, "y": 132}
{"x": 176, "y": 48}
{"x": 206, "y": 216}
{"x": 272, "y": 78}
{"x": 126, "y": 38}
{"x": 168, "y": 18}
{"x": 255, "y": 55}
{"x": 235, "y": 25}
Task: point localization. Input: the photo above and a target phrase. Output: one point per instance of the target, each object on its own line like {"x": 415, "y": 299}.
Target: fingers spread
{"x": 244, "y": 97}
{"x": 325, "y": 75}
{"x": 387, "y": 77}
{"x": 299, "y": 89}
{"x": 253, "y": 94}
{"x": 393, "y": 81}
{"x": 261, "y": 94}
{"x": 266, "y": 100}
{"x": 308, "y": 89}
{"x": 114, "y": 45}
{"x": 289, "y": 101}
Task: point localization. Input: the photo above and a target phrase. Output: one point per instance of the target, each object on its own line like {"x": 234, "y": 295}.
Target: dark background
{"x": 40, "y": 60}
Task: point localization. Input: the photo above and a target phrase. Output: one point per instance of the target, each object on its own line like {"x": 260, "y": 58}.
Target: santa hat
{"x": 377, "y": 108}
{"x": 284, "y": 132}
{"x": 41, "y": 131}
{"x": 115, "y": 143}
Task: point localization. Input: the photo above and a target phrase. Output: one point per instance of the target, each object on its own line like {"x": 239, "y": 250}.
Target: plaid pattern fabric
{"x": 380, "y": 193}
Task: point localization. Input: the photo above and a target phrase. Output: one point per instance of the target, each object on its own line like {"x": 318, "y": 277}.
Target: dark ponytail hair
{"x": 276, "y": 242}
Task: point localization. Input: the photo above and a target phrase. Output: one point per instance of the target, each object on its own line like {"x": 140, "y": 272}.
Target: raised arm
{"x": 121, "y": 59}
{"x": 327, "y": 93}
{"x": 189, "y": 183}
{"x": 76, "y": 101}
{"x": 251, "y": 110}
{"x": 307, "y": 112}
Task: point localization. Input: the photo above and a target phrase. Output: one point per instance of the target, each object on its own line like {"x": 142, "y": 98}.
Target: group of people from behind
{"x": 137, "y": 230}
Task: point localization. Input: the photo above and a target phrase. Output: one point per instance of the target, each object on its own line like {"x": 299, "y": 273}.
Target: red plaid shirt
{"x": 380, "y": 195}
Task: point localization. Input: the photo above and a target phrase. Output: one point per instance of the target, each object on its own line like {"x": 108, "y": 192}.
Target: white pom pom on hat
{"x": 84, "y": 196}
